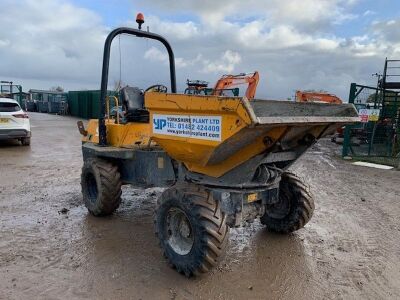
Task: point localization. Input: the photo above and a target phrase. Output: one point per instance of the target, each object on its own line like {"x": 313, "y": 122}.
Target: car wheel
{"x": 26, "y": 141}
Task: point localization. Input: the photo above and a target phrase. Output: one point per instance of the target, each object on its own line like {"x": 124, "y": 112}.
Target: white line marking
{"x": 371, "y": 165}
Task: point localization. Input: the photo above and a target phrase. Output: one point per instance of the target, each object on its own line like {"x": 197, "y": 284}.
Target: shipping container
{"x": 85, "y": 104}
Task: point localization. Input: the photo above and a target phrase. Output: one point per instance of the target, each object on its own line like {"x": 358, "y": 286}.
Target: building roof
{"x": 17, "y": 93}
{"x": 46, "y": 92}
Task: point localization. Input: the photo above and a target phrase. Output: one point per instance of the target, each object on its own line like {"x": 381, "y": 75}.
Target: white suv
{"x": 14, "y": 122}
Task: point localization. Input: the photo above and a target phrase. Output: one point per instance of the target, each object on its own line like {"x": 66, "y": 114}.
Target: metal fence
{"x": 377, "y": 137}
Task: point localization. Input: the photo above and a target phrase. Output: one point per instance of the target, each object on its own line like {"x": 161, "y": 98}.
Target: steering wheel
{"x": 159, "y": 88}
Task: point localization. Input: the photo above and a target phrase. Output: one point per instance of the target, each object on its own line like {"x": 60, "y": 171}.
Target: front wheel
{"x": 294, "y": 208}
{"x": 191, "y": 229}
{"x": 101, "y": 186}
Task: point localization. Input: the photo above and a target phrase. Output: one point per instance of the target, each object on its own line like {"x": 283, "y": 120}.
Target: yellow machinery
{"x": 223, "y": 161}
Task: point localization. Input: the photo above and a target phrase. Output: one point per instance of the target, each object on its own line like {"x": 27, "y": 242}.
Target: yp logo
{"x": 159, "y": 124}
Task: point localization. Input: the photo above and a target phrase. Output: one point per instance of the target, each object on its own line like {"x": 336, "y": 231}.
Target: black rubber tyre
{"x": 101, "y": 186}
{"x": 294, "y": 209}
{"x": 26, "y": 141}
{"x": 197, "y": 241}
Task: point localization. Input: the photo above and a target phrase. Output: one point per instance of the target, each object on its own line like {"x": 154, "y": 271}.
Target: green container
{"x": 73, "y": 103}
{"x": 85, "y": 104}
{"x": 95, "y": 109}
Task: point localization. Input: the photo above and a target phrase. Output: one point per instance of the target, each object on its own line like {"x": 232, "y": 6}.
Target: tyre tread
{"x": 109, "y": 194}
{"x": 301, "y": 199}
{"x": 215, "y": 232}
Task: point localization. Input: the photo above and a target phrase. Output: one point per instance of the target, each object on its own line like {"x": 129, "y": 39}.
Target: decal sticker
{"x": 196, "y": 127}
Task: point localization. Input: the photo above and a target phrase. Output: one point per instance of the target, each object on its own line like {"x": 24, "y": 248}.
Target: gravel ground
{"x": 51, "y": 248}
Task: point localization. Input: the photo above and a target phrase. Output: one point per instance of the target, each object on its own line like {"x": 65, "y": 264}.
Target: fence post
{"x": 347, "y": 137}
{"x": 352, "y": 93}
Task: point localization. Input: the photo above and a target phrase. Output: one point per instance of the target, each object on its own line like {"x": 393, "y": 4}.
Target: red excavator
{"x": 227, "y": 81}
{"x": 319, "y": 97}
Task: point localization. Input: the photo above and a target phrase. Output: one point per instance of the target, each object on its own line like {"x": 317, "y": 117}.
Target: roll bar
{"x": 106, "y": 64}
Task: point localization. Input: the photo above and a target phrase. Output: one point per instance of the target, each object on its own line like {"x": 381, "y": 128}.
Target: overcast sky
{"x": 308, "y": 44}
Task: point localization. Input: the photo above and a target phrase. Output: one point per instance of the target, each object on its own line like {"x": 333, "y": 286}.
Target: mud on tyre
{"x": 191, "y": 229}
{"x": 101, "y": 186}
{"x": 294, "y": 209}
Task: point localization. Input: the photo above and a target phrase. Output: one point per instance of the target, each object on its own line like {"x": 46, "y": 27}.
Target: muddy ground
{"x": 51, "y": 248}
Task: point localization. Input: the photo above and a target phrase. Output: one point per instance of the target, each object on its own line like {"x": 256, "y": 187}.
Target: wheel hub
{"x": 91, "y": 187}
{"x": 184, "y": 229}
{"x": 179, "y": 231}
{"x": 280, "y": 209}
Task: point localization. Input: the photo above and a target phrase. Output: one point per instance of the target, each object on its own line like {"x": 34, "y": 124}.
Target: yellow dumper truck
{"x": 222, "y": 160}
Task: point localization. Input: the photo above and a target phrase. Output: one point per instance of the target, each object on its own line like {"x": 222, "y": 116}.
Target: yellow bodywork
{"x": 199, "y": 155}
{"x": 128, "y": 135}
{"x": 211, "y": 135}
{"x": 119, "y": 135}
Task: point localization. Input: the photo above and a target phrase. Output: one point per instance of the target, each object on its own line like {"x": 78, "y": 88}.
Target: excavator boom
{"x": 320, "y": 97}
{"x": 227, "y": 81}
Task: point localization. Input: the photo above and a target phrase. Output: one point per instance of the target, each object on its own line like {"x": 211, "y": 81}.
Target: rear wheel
{"x": 101, "y": 186}
{"x": 26, "y": 141}
{"x": 294, "y": 208}
{"x": 191, "y": 229}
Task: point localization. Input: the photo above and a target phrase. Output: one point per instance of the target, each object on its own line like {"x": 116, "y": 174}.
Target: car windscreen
{"x": 9, "y": 107}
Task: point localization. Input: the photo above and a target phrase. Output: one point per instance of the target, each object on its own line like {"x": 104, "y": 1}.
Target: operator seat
{"x": 133, "y": 105}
